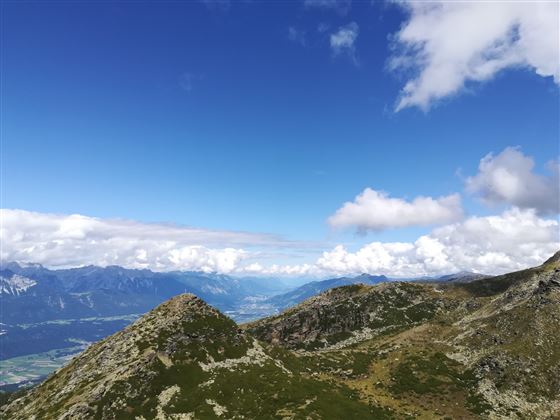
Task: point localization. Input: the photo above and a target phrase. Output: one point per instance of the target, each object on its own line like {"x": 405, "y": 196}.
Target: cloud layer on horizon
{"x": 514, "y": 240}
{"x": 72, "y": 240}
{"x": 446, "y": 45}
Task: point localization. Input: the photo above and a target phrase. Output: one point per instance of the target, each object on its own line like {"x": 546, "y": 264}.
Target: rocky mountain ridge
{"x": 182, "y": 360}
{"x": 107, "y": 291}
{"x": 492, "y": 340}
{"x": 483, "y": 349}
{"x": 299, "y": 294}
{"x": 337, "y": 313}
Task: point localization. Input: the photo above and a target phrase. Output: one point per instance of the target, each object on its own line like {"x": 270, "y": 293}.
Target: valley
{"x": 46, "y": 312}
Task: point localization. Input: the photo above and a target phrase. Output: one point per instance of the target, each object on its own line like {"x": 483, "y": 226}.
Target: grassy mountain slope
{"x": 184, "y": 360}
{"x": 484, "y": 349}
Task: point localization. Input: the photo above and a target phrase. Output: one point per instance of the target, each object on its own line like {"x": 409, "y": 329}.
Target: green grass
{"x": 437, "y": 375}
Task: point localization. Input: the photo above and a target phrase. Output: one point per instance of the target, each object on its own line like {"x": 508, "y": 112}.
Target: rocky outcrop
{"x": 340, "y": 313}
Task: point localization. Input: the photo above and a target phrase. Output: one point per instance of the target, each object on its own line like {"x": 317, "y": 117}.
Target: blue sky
{"x": 245, "y": 117}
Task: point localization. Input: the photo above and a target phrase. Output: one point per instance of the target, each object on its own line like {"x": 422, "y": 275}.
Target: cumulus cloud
{"x": 342, "y": 7}
{"x": 509, "y": 178}
{"x": 375, "y": 210}
{"x": 514, "y": 240}
{"x": 343, "y": 41}
{"x": 447, "y": 44}
{"x": 73, "y": 240}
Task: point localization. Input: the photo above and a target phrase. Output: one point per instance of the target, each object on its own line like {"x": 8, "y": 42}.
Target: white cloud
{"x": 281, "y": 270}
{"x": 342, "y": 7}
{"x": 73, "y": 240}
{"x": 343, "y": 41}
{"x": 375, "y": 210}
{"x": 509, "y": 178}
{"x": 449, "y": 44}
{"x": 514, "y": 240}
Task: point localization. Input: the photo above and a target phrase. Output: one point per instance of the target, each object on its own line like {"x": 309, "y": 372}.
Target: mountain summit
{"x": 182, "y": 360}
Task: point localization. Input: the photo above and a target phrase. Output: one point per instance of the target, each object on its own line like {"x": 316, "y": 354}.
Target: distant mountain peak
{"x": 19, "y": 265}
{"x": 462, "y": 276}
{"x": 371, "y": 276}
{"x": 463, "y": 273}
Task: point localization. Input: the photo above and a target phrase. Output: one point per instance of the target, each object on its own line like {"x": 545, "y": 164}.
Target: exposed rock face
{"x": 513, "y": 343}
{"x": 338, "y": 313}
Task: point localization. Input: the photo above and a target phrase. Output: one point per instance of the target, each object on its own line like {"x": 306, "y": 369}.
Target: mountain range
{"x": 486, "y": 348}
{"x": 63, "y": 310}
{"x": 32, "y": 293}
{"x": 46, "y": 310}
